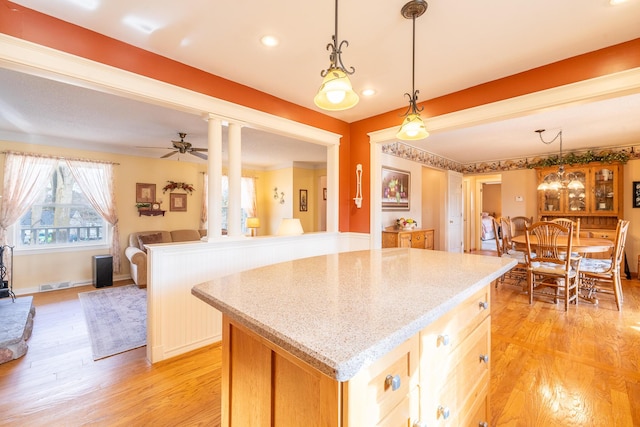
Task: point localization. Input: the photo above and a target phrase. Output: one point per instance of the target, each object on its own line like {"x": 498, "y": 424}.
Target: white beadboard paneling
{"x": 177, "y": 321}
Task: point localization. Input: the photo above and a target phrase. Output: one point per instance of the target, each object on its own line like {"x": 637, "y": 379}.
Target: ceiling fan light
{"x": 336, "y": 92}
{"x": 412, "y": 128}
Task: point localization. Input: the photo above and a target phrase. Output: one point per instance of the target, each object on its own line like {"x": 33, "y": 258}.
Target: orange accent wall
{"x": 26, "y": 24}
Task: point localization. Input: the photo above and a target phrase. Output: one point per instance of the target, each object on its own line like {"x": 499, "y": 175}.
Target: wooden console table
{"x": 415, "y": 238}
{"x": 150, "y": 213}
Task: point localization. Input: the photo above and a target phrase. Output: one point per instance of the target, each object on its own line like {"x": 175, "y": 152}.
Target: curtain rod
{"x": 49, "y": 156}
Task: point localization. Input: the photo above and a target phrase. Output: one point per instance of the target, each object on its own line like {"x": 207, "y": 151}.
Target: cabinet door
{"x": 417, "y": 239}
{"x": 577, "y": 194}
{"x": 549, "y": 201}
{"x": 428, "y": 239}
{"x": 605, "y": 185}
{"x": 404, "y": 239}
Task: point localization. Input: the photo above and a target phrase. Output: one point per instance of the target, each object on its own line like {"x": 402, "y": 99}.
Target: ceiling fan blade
{"x": 197, "y": 154}
{"x": 179, "y": 144}
{"x": 168, "y": 155}
{"x": 199, "y": 149}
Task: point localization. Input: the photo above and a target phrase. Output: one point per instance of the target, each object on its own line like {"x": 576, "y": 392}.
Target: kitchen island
{"x": 345, "y": 339}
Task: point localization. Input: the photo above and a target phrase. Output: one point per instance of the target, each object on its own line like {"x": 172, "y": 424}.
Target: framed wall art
{"x": 303, "y": 200}
{"x": 145, "y": 193}
{"x": 396, "y": 189}
{"x": 178, "y": 202}
{"x": 636, "y": 194}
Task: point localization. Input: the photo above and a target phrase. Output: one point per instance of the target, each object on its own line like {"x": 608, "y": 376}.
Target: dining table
{"x": 579, "y": 244}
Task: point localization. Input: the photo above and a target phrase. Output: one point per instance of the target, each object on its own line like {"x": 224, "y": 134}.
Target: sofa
{"x": 136, "y": 252}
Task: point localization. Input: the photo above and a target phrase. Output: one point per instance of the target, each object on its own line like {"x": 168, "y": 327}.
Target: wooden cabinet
{"x": 438, "y": 377}
{"x": 418, "y": 238}
{"x": 598, "y": 205}
{"x": 454, "y": 365}
{"x": 599, "y": 195}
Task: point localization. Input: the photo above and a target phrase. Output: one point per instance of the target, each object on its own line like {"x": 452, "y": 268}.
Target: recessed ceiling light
{"x": 368, "y": 92}
{"x": 140, "y": 24}
{"x": 269, "y": 41}
{"x": 615, "y": 2}
{"x": 86, "y": 4}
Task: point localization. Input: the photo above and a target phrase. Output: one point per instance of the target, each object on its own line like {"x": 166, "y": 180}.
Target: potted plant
{"x": 143, "y": 206}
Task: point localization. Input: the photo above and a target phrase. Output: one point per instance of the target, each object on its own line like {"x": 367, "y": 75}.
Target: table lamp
{"x": 253, "y": 223}
{"x": 290, "y": 227}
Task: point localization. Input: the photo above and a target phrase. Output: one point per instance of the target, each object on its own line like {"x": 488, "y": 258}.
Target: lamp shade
{"x": 253, "y": 222}
{"x": 336, "y": 93}
{"x": 412, "y": 128}
{"x": 290, "y": 227}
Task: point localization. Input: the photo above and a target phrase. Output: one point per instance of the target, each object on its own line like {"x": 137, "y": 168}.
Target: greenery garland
{"x": 583, "y": 159}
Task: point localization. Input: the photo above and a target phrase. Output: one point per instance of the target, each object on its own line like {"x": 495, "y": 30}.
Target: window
{"x": 248, "y": 200}
{"x": 61, "y": 217}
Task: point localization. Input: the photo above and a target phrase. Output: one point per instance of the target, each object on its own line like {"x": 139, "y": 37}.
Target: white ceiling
{"x": 459, "y": 44}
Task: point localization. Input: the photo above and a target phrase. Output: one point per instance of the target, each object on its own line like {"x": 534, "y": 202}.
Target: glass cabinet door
{"x": 604, "y": 189}
{"x": 576, "y": 189}
{"x": 550, "y": 197}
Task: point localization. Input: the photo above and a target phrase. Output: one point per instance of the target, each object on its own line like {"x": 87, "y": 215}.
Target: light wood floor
{"x": 549, "y": 368}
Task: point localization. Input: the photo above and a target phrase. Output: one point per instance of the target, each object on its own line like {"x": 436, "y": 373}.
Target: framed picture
{"x": 324, "y": 194}
{"x": 177, "y": 202}
{"x": 636, "y": 194}
{"x": 303, "y": 200}
{"x": 396, "y": 189}
{"x": 145, "y": 193}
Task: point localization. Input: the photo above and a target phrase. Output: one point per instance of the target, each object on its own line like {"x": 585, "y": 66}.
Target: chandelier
{"x": 559, "y": 180}
{"x": 413, "y": 128}
{"x": 336, "y": 93}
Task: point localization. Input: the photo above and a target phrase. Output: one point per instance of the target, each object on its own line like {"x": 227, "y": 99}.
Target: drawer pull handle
{"x": 484, "y": 305}
{"x": 444, "y": 339}
{"x": 444, "y": 411}
{"x": 393, "y": 382}
{"x": 484, "y": 358}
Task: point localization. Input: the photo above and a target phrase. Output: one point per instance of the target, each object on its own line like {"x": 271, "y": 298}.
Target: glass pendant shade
{"x": 336, "y": 93}
{"x": 412, "y": 128}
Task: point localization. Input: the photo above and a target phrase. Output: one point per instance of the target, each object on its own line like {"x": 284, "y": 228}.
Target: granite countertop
{"x": 341, "y": 312}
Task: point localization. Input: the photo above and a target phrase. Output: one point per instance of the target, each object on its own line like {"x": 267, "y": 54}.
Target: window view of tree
{"x": 62, "y": 216}
{"x": 248, "y": 196}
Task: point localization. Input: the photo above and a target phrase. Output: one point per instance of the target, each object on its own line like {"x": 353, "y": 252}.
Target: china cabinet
{"x": 591, "y": 192}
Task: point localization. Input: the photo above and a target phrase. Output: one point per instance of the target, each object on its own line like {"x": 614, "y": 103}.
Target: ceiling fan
{"x": 183, "y": 147}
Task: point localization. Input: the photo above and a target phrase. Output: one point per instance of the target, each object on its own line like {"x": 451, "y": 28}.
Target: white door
{"x": 453, "y": 214}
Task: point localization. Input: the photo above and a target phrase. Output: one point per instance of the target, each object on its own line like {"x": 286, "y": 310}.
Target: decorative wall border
{"x": 407, "y": 152}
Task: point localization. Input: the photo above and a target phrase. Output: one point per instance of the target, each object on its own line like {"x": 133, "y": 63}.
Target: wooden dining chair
{"x": 518, "y": 224}
{"x": 506, "y": 249}
{"x": 603, "y": 275}
{"x": 566, "y": 222}
{"x": 548, "y": 266}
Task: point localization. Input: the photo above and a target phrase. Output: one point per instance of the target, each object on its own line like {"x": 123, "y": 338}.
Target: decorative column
{"x": 214, "y": 164}
{"x": 234, "y": 212}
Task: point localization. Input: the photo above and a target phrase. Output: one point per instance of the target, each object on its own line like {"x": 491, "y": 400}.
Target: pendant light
{"x": 336, "y": 93}
{"x": 413, "y": 128}
{"x": 557, "y": 180}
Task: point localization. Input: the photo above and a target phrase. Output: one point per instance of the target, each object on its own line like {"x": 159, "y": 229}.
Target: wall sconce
{"x": 253, "y": 223}
{"x": 358, "y": 198}
{"x": 277, "y": 196}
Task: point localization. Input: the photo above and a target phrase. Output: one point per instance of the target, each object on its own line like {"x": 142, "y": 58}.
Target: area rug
{"x": 116, "y": 319}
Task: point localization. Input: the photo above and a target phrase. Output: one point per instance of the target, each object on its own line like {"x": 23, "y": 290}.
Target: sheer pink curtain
{"x": 96, "y": 181}
{"x": 24, "y": 177}
{"x": 204, "y": 215}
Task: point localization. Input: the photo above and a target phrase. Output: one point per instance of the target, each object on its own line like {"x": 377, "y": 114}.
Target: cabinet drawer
{"x": 371, "y": 396}
{"x": 445, "y": 334}
{"x": 404, "y": 414}
{"x": 417, "y": 239}
{"x": 450, "y": 390}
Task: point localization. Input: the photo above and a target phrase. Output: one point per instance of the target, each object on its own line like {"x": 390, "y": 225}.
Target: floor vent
{"x": 54, "y": 286}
